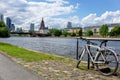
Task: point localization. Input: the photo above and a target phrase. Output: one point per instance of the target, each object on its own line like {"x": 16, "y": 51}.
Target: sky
{"x": 56, "y": 13}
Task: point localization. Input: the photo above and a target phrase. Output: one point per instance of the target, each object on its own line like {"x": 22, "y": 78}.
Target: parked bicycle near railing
{"x": 105, "y": 59}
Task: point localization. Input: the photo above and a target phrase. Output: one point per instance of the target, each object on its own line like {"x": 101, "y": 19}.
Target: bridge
{"x": 34, "y": 34}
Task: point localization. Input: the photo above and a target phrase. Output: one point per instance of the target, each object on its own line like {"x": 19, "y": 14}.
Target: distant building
{"x": 1, "y": 17}
{"x": 31, "y": 27}
{"x": 43, "y": 29}
{"x": 9, "y": 23}
{"x": 73, "y": 29}
{"x": 69, "y": 25}
{"x": 96, "y": 29}
{"x": 19, "y": 29}
{"x": 13, "y": 28}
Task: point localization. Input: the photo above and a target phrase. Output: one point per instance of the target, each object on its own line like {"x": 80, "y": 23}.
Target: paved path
{"x": 10, "y": 70}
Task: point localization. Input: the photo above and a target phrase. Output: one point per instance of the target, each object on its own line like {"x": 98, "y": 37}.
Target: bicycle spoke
{"x": 111, "y": 64}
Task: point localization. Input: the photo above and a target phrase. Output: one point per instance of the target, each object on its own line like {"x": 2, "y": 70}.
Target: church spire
{"x": 42, "y": 25}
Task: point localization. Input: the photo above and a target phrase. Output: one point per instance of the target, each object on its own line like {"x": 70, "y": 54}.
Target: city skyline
{"x": 57, "y": 13}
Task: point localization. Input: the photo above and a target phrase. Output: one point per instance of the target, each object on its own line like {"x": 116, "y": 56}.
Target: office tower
{"x": 1, "y": 17}
{"x": 69, "y": 25}
{"x": 8, "y": 23}
{"x": 31, "y": 27}
{"x": 13, "y": 27}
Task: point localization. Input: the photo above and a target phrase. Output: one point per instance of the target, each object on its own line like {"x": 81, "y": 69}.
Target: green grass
{"x": 83, "y": 68}
{"x": 26, "y": 55}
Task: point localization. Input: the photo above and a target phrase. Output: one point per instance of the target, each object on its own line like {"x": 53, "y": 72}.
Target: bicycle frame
{"x": 86, "y": 48}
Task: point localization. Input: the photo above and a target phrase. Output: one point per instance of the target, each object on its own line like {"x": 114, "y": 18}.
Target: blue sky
{"x": 98, "y": 6}
{"x": 57, "y": 13}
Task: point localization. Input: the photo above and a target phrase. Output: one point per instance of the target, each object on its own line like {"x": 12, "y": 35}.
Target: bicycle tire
{"x": 111, "y": 64}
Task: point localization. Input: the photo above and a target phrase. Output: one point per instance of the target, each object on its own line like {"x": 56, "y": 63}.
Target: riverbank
{"x": 51, "y": 67}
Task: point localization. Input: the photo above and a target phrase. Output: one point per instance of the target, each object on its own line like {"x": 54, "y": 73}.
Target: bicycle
{"x": 105, "y": 59}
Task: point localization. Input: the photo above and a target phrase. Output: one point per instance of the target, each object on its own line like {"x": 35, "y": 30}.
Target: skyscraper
{"x": 69, "y": 25}
{"x": 13, "y": 27}
{"x": 1, "y": 17}
{"x": 8, "y": 23}
{"x": 32, "y": 27}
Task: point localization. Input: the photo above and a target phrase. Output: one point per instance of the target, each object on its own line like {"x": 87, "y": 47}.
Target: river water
{"x": 59, "y": 46}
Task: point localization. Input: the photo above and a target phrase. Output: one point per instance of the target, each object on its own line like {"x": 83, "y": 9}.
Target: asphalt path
{"x": 9, "y": 70}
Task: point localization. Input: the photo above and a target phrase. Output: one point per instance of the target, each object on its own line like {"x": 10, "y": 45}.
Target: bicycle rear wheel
{"x": 108, "y": 66}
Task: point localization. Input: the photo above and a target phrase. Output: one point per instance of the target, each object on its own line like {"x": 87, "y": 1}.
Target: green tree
{"x": 65, "y": 33}
{"x": 4, "y": 32}
{"x": 2, "y": 24}
{"x": 115, "y": 31}
{"x": 79, "y": 32}
{"x": 104, "y": 30}
{"x": 89, "y": 33}
{"x": 72, "y": 34}
{"x": 55, "y": 32}
{"x": 32, "y": 33}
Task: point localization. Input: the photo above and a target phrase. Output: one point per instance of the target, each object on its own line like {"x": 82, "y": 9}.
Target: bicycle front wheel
{"x": 109, "y": 62}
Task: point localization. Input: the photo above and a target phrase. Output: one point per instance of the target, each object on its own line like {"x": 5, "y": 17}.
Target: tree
{"x": 55, "y": 32}
{"x": 89, "y": 33}
{"x": 32, "y": 33}
{"x": 104, "y": 30}
{"x": 4, "y": 32}
{"x": 65, "y": 33}
{"x": 115, "y": 31}
{"x": 72, "y": 34}
{"x": 79, "y": 32}
{"x": 2, "y": 24}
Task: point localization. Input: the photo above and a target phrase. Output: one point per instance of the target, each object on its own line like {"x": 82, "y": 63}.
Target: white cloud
{"x": 23, "y": 12}
{"x": 105, "y": 18}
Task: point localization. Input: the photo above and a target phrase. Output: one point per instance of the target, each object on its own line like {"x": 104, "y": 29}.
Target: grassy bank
{"x": 26, "y": 55}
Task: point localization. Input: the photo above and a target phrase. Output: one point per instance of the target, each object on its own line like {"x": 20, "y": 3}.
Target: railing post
{"x": 105, "y": 44}
{"x": 88, "y": 42}
{"x": 77, "y": 49}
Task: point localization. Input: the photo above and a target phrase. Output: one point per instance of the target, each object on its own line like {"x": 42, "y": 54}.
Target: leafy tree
{"x": 49, "y": 34}
{"x": 65, "y": 33}
{"x": 32, "y": 33}
{"x": 2, "y": 24}
{"x": 115, "y": 31}
{"x": 89, "y": 33}
{"x": 55, "y": 32}
{"x": 80, "y": 32}
{"x": 104, "y": 30}
{"x": 73, "y": 34}
{"x": 4, "y": 32}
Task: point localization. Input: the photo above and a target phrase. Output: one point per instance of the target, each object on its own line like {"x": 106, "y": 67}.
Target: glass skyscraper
{"x": 31, "y": 27}
{"x": 8, "y": 23}
{"x": 1, "y": 17}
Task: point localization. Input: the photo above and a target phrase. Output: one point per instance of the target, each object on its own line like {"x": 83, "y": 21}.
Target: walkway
{"x": 10, "y": 70}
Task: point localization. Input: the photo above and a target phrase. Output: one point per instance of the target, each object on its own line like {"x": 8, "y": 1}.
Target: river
{"x": 59, "y": 46}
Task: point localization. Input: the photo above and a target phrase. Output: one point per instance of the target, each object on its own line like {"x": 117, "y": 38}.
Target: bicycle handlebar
{"x": 103, "y": 42}
{"x": 93, "y": 43}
